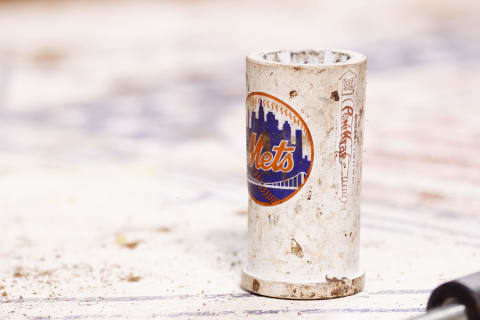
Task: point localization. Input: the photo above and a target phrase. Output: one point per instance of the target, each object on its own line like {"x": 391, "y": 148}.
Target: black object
{"x": 465, "y": 291}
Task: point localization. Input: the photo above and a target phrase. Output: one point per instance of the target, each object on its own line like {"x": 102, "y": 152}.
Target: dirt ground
{"x": 122, "y": 154}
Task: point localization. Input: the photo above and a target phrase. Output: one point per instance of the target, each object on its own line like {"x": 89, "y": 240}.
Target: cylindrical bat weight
{"x": 304, "y": 119}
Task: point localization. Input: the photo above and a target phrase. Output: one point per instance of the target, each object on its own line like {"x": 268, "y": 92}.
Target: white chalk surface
{"x": 122, "y": 154}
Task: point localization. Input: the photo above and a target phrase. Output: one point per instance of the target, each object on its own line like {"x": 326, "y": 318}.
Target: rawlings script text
{"x": 345, "y": 145}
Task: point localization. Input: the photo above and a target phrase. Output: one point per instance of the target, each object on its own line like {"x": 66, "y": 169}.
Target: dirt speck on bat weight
{"x": 255, "y": 285}
{"x": 296, "y": 249}
{"x": 298, "y": 209}
{"x": 334, "y": 279}
{"x": 334, "y": 96}
{"x": 336, "y": 292}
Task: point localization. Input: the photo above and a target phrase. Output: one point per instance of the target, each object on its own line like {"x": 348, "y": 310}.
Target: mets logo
{"x": 279, "y": 149}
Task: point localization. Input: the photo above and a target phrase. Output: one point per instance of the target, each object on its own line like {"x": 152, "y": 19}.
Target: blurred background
{"x": 122, "y": 140}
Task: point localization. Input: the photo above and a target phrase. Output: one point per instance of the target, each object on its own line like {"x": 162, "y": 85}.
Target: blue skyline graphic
{"x": 275, "y": 186}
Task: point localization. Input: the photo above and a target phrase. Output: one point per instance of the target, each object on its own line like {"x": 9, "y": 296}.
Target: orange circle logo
{"x": 279, "y": 149}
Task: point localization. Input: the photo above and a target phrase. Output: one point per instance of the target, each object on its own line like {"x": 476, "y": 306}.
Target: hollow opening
{"x": 306, "y": 57}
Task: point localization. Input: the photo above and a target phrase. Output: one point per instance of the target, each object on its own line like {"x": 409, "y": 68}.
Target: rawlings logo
{"x": 279, "y": 150}
{"x": 345, "y": 143}
{"x": 345, "y": 146}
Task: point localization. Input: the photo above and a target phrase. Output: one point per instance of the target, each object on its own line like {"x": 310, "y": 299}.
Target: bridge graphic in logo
{"x": 290, "y": 184}
{"x": 279, "y": 149}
